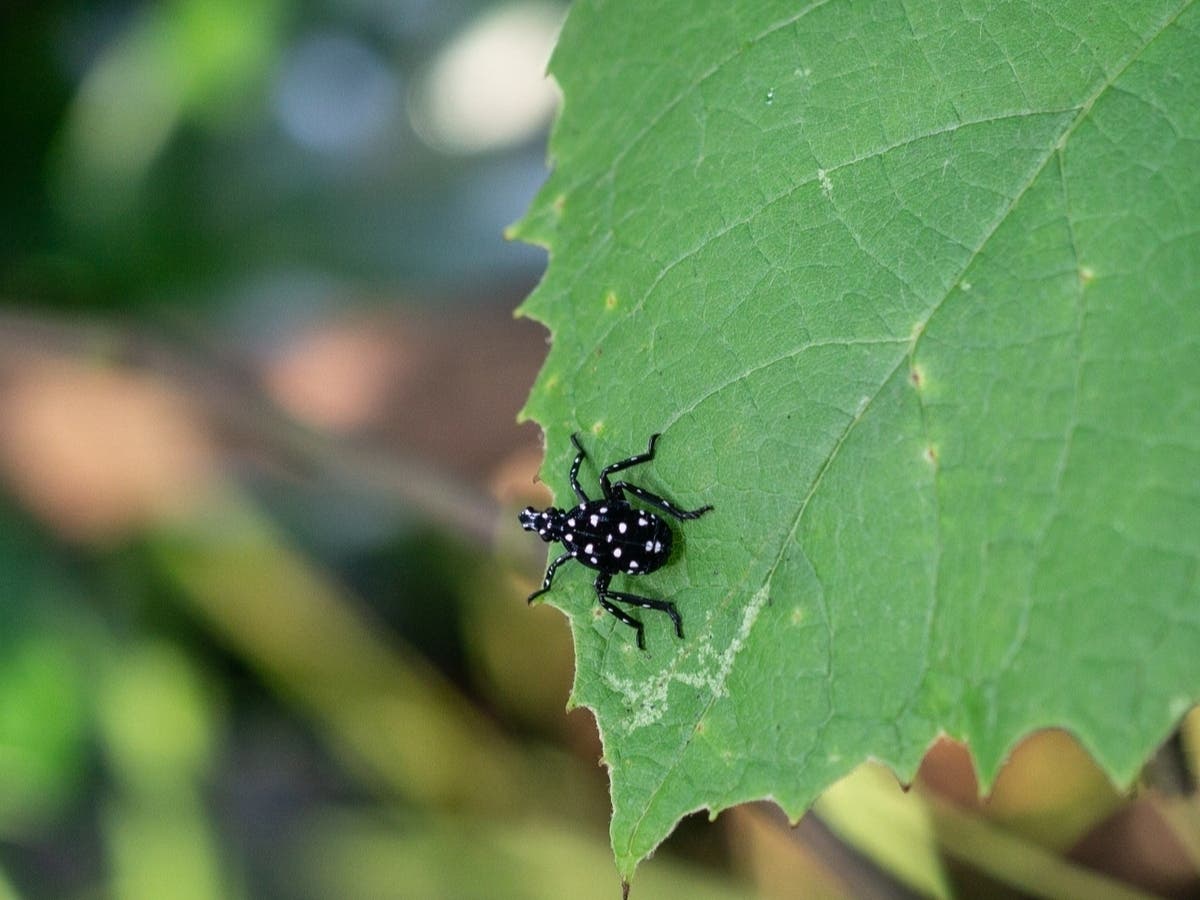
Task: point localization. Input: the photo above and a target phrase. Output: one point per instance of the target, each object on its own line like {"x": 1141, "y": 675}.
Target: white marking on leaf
{"x": 647, "y": 698}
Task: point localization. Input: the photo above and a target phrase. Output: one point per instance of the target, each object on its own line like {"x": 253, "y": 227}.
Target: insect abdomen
{"x": 614, "y": 537}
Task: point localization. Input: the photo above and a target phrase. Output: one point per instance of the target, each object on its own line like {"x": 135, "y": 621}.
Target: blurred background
{"x": 262, "y": 618}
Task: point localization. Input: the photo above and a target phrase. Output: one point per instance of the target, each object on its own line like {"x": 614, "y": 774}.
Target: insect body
{"x": 612, "y": 536}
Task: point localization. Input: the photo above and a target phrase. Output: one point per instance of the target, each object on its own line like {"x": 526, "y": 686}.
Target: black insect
{"x": 612, "y": 536}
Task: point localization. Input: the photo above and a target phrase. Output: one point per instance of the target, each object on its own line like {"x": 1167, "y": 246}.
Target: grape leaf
{"x": 910, "y": 288}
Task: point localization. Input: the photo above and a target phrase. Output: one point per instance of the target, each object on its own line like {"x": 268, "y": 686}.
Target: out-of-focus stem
{"x": 394, "y": 718}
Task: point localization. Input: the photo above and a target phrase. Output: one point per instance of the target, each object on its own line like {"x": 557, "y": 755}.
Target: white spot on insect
{"x": 643, "y": 522}
{"x": 594, "y": 560}
{"x": 589, "y": 548}
{"x": 568, "y": 536}
{"x": 571, "y": 522}
{"x": 574, "y": 552}
{"x": 603, "y": 509}
{"x": 633, "y": 564}
{"x": 610, "y": 537}
{"x": 649, "y": 546}
{"x": 617, "y": 553}
{"x": 657, "y": 547}
{"x": 622, "y": 527}
{"x": 595, "y": 520}
{"x": 541, "y": 531}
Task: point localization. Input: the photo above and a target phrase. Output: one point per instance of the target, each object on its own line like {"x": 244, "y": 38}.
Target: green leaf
{"x": 911, "y": 290}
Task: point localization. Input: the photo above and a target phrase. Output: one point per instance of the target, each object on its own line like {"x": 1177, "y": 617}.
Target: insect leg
{"x": 647, "y": 603}
{"x": 659, "y": 502}
{"x": 583, "y": 498}
{"x": 625, "y": 464}
{"x": 549, "y": 577}
{"x": 602, "y": 594}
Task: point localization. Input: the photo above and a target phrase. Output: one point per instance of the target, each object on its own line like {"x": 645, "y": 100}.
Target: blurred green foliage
{"x": 152, "y": 154}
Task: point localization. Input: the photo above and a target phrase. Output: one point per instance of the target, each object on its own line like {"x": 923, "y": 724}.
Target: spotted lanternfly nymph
{"x": 612, "y": 536}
